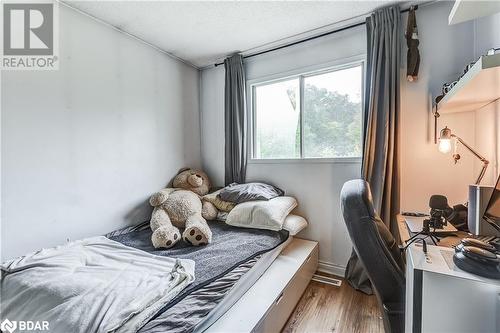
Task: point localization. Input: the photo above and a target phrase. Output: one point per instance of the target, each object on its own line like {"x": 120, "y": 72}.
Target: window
{"x": 314, "y": 115}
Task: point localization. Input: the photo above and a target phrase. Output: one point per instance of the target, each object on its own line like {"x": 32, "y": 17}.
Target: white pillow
{"x": 269, "y": 214}
{"x": 294, "y": 224}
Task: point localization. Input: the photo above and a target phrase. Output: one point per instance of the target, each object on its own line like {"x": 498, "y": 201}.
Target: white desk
{"x": 440, "y": 298}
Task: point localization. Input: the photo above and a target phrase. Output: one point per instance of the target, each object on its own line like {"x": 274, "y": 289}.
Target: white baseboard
{"x": 328, "y": 267}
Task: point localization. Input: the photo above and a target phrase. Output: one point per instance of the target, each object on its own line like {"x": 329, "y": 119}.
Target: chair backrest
{"x": 375, "y": 246}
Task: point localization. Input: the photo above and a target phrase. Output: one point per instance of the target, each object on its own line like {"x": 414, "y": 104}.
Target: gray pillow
{"x": 239, "y": 193}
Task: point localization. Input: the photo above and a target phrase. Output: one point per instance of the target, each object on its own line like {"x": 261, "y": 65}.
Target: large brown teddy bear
{"x": 182, "y": 207}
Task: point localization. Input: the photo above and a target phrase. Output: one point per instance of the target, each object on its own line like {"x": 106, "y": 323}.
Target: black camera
{"x": 437, "y": 219}
{"x": 439, "y": 212}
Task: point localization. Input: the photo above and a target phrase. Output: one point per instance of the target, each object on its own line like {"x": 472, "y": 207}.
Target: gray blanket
{"x": 92, "y": 285}
{"x": 187, "y": 314}
{"x": 230, "y": 247}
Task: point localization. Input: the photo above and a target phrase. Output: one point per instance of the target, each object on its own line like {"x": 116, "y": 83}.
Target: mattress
{"x": 220, "y": 271}
{"x": 200, "y": 309}
{"x": 196, "y": 307}
{"x": 241, "y": 287}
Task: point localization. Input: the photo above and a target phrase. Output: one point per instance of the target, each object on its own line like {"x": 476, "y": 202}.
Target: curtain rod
{"x": 311, "y": 38}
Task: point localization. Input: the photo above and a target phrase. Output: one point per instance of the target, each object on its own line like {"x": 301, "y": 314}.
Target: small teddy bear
{"x": 182, "y": 207}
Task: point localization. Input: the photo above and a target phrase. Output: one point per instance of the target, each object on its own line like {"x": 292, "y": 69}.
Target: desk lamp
{"x": 445, "y": 137}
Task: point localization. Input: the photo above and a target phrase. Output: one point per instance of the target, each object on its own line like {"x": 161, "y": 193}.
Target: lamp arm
{"x": 479, "y": 156}
{"x": 483, "y": 172}
{"x": 482, "y": 158}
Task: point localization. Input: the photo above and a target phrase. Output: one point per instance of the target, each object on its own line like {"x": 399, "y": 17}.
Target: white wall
{"x": 84, "y": 147}
{"x": 315, "y": 185}
{"x": 487, "y": 140}
{"x": 486, "y": 34}
{"x": 445, "y": 50}
{"x": 487, "y": 119}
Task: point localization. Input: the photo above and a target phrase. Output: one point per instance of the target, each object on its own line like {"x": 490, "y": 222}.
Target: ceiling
{"x": 203, "y": 32}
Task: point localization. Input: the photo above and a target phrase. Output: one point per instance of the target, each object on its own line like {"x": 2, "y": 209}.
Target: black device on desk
{"x": 428, "y": 227}
{"x": 479, "y": 257}
{"x": 439, "y": 210}
{"x": 440, "y": 215}
{"x": 492, "y": 213}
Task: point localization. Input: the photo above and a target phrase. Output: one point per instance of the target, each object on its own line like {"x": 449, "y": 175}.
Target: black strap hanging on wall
{"x": 413, "y": 56}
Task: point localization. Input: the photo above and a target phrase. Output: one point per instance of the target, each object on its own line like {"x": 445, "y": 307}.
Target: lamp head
{"x": 445, "y": 137}
{"x": 445, "y": 140}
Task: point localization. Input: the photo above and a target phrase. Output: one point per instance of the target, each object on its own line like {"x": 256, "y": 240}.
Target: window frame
{"x": 300, "y": 74}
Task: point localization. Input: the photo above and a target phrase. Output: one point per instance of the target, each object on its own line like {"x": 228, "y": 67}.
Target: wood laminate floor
{"x": 326, "y": 308}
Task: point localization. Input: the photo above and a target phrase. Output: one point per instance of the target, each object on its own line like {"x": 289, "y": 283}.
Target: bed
{"x": 231, "y": 274}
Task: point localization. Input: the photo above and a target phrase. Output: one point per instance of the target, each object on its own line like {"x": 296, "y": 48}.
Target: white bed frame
{"x": 266, "y": 306}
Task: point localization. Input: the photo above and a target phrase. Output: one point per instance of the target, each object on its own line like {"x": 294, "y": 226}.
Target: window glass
{"x": 277, "y": 120}
{"x": 332, "y": 114}
{"x": 328, "y": 124}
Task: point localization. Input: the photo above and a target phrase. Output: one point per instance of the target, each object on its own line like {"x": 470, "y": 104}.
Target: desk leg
{"x": 417, "y": 301}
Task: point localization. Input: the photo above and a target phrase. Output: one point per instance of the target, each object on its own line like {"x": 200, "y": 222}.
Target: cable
{"x": 424, "y": 244}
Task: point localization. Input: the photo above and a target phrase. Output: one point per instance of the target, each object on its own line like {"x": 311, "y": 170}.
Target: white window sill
{"x": 336, "y": 160}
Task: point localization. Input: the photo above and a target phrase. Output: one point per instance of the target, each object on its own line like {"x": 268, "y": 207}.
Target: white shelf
{"x": 477, "y": 88}
{"x": 468, "y": 10}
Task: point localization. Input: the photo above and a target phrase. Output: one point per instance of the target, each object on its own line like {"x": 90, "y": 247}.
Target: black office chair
{"x": 377, "y": 250}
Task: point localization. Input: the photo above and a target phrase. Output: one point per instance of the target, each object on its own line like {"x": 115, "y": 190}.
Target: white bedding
{"x": 294, "y": 224}
{"x": 262, "y": 214}
{"x": 92, "y": 285}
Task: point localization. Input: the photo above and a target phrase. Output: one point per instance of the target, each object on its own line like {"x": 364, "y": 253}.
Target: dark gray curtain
{"x": 235, "y": 125}
{"x": 380, "y": 165}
